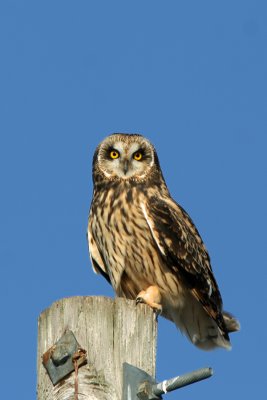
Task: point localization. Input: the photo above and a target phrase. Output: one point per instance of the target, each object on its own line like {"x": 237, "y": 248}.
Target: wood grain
{"x": 112, "y": 331}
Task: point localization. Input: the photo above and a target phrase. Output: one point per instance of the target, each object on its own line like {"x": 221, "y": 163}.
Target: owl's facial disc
{"x": 126, "y": 160}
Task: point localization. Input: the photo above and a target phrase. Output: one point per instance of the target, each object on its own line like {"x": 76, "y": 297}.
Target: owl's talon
{"x": 152, "y": 297}
{"x": 139, "y": 300}
{"x": 157, "y": 311}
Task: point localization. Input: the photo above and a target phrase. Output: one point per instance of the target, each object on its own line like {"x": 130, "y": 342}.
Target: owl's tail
{"x": 201, "y": 329}
{"x": 231, "y": 323}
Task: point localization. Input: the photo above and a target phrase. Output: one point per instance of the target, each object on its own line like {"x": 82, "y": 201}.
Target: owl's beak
{"x": 125, "y": 166}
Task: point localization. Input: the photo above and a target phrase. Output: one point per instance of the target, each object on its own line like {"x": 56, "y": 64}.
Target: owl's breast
{"x": 123, "y": 236}
{"x": 131, "y": 255}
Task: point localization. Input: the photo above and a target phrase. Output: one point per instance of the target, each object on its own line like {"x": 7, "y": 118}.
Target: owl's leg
{"x": 152, "y": 297}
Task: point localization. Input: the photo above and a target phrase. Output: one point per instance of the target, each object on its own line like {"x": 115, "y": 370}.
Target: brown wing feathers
{"x": 187, "y": 254}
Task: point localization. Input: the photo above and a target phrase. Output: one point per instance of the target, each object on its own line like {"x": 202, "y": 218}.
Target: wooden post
{"x": 112, "y": 331}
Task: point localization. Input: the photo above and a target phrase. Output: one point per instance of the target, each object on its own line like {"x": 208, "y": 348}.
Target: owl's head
{"x": 125, "y": 157}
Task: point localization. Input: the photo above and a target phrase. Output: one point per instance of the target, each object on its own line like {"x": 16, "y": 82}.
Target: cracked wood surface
{"x": 112, "y": 331}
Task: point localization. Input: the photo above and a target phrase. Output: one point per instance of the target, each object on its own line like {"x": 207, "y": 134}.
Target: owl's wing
{"x": 95, "y": 256}
{"x": 181, "y": 245}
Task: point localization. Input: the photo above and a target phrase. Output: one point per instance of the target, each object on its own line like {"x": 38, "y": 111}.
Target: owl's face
{"x": 125, "y": 156}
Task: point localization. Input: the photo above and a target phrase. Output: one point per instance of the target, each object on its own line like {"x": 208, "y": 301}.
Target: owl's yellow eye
{"x": 114, "y": 154}
{"x": 138, "y": 156}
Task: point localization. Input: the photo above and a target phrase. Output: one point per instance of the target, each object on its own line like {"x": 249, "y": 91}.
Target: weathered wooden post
{"x": 112, "y": 331}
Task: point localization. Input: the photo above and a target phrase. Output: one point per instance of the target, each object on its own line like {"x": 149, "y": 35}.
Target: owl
{"x": 146, "y": 245}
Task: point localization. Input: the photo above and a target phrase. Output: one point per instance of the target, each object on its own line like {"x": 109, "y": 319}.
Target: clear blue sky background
{"x": 192, "y": 77}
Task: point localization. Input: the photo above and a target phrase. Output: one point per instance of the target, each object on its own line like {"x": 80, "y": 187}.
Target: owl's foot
{"x": 152, "y": 297}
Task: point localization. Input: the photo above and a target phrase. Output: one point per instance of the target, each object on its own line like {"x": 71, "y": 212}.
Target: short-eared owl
{"x": 147, "y": 246}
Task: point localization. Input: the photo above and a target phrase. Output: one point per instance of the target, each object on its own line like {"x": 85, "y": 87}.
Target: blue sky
{"x": 189, "y": 75}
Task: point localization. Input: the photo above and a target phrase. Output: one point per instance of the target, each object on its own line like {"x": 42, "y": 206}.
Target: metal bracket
{"x": 138, "y": 385}
{"x": 60, "y": 358}
{"x": 133, "y": 377}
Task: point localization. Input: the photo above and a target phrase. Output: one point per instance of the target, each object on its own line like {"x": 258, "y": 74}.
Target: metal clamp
{"x": 138, "y": 385}
{"x": 60, "y": 359}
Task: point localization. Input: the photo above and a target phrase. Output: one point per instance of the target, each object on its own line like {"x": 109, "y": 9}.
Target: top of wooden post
{"x": 112, "y": 331}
